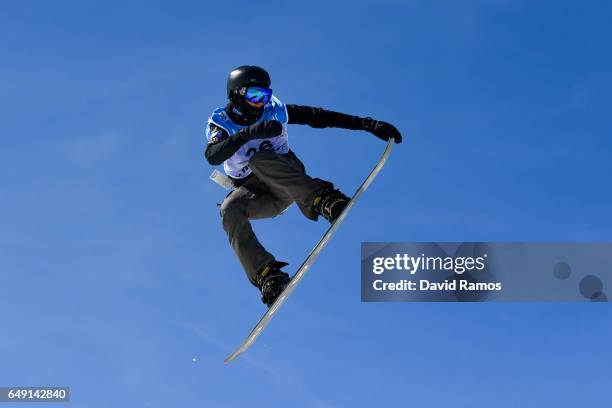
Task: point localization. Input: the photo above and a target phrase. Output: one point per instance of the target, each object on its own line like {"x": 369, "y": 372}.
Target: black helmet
{"x": 247, "y": 75}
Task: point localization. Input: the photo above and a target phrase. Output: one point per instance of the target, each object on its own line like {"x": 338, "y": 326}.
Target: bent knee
{"x": 231, "y": 210}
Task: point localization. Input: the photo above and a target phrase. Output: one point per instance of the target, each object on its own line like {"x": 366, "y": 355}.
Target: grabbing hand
{"x": 382, "y": 130}
{"x": 265, "y": 129}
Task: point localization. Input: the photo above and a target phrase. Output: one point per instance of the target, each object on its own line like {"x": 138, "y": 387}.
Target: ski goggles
{"x": 256, "y": 94}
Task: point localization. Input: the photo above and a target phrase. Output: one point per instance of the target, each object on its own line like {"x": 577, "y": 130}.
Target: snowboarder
{"x": 249, "y": 137}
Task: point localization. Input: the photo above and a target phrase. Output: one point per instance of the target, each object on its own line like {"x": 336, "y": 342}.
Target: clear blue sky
{"x": 115, "y": 271}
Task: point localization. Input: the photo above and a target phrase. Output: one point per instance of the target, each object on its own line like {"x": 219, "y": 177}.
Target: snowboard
{"x": 282, "y": 298}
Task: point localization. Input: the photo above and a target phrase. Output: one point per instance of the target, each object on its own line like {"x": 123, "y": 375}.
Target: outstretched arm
{"x": 322, "y": 118}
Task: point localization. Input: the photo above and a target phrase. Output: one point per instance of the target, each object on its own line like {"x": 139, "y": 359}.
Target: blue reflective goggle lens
{"x": 256, "y": 94}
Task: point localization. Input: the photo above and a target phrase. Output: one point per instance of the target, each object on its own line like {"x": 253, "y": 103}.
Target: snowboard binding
{"x": 272, "y": 281}
{"x": 330, "y": 203}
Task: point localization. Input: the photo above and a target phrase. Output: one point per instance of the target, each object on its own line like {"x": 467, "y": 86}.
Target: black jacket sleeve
{"x": 321, "y": 118}
{"x": 221, "y": 147}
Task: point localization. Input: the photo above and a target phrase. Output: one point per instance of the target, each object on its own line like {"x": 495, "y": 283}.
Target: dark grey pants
{"x": 278, "y": 180}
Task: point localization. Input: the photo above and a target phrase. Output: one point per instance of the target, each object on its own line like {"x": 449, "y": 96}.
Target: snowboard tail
{"x": 263, "y": 322}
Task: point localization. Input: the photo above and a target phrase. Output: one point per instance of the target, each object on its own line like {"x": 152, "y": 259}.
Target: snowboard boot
{"x": 329, "y": 204}
{"x": 272, "y": 281}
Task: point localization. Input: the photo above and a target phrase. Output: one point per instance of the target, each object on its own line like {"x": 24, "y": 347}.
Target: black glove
{"x": 263, "y": 130}
{"x": 382, "y": 130}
